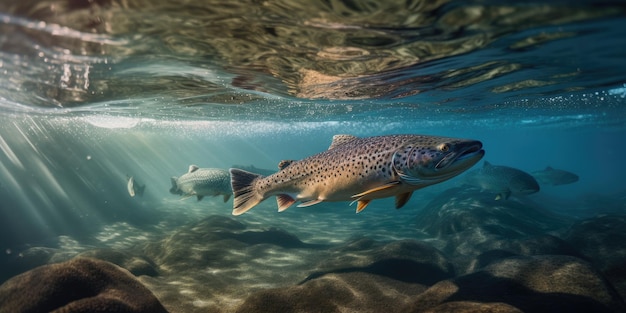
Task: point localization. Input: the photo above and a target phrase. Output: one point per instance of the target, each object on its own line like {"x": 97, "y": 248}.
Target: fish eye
{"x": 444, "y": 147}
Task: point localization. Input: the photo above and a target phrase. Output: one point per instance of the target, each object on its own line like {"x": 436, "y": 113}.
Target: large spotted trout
{"x": 359, "y": 169}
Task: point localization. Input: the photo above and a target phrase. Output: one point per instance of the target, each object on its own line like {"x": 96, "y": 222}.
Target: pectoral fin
{"x": 402, "y": 199}
{"x": 503, "y": 195}
{"x": 377, "y": 189}
{"x": 284, "y": 202}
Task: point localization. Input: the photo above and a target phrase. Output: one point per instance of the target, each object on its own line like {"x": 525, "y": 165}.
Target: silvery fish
{"x": 359, "y": 169}
{"x": 134, "y": 188}
{"x": 502, "y": 180}
{"x": 202, "y": 182}
{"x": 554, "y": 177}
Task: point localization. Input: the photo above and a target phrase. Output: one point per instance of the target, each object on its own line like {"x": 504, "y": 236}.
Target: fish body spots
{"x": 360, "y": 169}
{"x": 344, "y": 169}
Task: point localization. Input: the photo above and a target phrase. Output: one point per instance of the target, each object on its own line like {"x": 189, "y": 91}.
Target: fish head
{"x": 429, "y": 160}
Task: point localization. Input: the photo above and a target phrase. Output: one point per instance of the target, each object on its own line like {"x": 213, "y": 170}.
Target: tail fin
{"x": 246, "y": 197}
{"x": 174, "y": 189}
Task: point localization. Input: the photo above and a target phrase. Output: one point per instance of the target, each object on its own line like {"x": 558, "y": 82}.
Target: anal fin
{"x": 309, "y": 203}
{"x": 284, "y": 201}
{"x": 402, "y": 199}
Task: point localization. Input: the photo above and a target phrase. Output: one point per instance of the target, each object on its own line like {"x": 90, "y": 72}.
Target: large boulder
{"x": 467, "y": 211}
{"x": 603, "y": 240}
{"x": 78, "y": 285}
{"x": 360, "y": 276}
{"x": 467, "y": 224}
{"x": 496, "y": 250}
{"x": 136, "y": 264}
{"x": 409, "y": 261}
{"x": 346, "y": 292}
{"x": 548, "y": 283}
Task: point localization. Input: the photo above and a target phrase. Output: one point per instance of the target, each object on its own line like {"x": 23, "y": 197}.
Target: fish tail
{"x": 174, "y": 189}
{"x": 246, "y": 196}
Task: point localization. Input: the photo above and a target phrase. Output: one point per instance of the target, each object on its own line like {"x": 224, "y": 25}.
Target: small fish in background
{"x": 201, "y": 182}
{"x": 134, "y": 188}
{"x": 554, "y": 177}
{"x": 359, "y": 170}
{"x": 504, "y": 181}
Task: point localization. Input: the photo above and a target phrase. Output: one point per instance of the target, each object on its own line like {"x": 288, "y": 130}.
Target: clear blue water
{"x": 91, "y": 92}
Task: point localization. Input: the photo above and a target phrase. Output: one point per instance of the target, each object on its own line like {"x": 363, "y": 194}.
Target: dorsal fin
{"x": 486, "y": 164}
{"x": 193, "y": 168}
{"x": 339, "y": 140}
{"x": 549, "y": 168}
{"x": 284, "y": 163}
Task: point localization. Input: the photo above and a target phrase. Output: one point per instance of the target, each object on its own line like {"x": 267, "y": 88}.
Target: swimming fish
{"x": 554, "y": 177}
{"x": 359, "y": 169}
{"x": 202, "y": 182}
{"x": 502, "y": 180}
{"x": 134, "y": 188}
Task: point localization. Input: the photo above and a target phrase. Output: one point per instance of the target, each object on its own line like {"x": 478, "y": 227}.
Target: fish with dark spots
{"x": 359, "y": 170}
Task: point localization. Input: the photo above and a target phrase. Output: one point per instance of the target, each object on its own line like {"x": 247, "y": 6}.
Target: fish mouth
{"x": 462, "y": 158}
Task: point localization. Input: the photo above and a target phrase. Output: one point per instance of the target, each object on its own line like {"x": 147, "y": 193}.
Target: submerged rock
{"x": 526, "y": 284}
{"x": 347, "y": 292}
{"x": 603, "y": 240}
{"x": 213, "y": 264}
{"x": 457, "y": 210}
{"x": 38, "y": 256}
{"x": 537, "y": 245}
{"x": 78, "y": 285}
{"x": 219, "y": 264}
{"x": 137, "y": 265}
{"x": 409, "y": 261}
{"x": 360, "y": 276}
{"x": 468, "y": 224}
{"x": 217, "y": 242}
